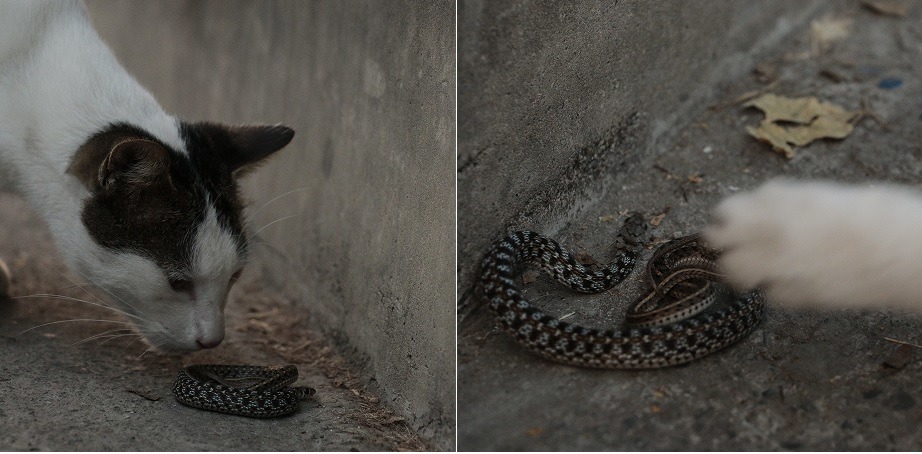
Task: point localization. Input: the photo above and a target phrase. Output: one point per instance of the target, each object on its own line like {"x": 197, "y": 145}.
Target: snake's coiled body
{"x": 683, "y": 274}
{"x": 257, "y": 392}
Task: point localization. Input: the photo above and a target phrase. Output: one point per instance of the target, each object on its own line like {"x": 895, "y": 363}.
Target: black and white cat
{"x": 824, "y": 244}
{"x": 142, "y": 204}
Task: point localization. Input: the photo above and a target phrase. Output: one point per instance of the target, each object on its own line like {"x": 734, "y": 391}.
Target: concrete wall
{"x": 555, "y": 96}
{"x": 369, "y": 88}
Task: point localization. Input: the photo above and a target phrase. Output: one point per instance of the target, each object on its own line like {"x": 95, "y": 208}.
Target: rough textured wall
{"x": 369, "y": 88}
{"x": 553, "y": 96}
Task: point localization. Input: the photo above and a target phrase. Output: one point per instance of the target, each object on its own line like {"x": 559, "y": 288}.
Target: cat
{"x": 824, "y": 244}
{"x": 140, "y": 203}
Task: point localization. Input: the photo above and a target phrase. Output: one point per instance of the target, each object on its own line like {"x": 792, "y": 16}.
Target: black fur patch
{"x": 151, "y": 199}
{"x": 158, "y": 216}
{"x": 215, "y": 175}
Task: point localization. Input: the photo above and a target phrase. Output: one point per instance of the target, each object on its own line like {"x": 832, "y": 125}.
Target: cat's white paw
{"x": 824, "y": 244}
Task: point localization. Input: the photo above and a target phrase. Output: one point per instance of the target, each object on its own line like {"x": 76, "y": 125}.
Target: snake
{"x": 253, "y": 391}
{"x": 677, "y": 322}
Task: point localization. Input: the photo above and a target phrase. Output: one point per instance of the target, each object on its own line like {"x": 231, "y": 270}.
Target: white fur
{"x": 60, "y": 84}
{"x": 824, "y": 244}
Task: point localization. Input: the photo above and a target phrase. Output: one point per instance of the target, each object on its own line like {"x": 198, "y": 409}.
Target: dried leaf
{"x": 657, "y": 220}
{"x": 797, "y": 110}
{"x": 822, "y": 127}
{"x": 814, "y": 120}
{"x": 607, "y": 218}
{"x": 825, "y": 32}
{"x": 695, "y": 179}
{"x": 887, "y": 7}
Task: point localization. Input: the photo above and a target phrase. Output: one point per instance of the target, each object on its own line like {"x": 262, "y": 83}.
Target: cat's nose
{"x": 209, "y": 343}
{"x": 209, "y": 330}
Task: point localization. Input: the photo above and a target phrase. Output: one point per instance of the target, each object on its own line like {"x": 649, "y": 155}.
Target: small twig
{"x": 895, "y": 341}
{"x": 749, "y": 95}
{"x": 662, "y": 169}
{"x": 867, "y": 112}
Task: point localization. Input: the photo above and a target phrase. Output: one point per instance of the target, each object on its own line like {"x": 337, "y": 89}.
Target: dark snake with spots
{"x": 257, "y": 392}
{"x": 679, "y": 319}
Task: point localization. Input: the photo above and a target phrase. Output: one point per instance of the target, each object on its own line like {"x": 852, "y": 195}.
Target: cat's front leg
{"x": 824, "y": 244}
{"x": 4, "y": 280}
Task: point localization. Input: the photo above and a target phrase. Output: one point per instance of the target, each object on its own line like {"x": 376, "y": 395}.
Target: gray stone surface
{"x": 361, "y": 237}
{"x": 804, "y": 380}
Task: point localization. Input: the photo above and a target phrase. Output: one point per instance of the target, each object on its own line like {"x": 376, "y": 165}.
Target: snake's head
{"x": 633, "y": 230}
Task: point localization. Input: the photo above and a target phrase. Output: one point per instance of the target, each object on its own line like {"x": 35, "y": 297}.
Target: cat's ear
{"x": 255, "y": 143}
{"x": 130, "y": 163}
{"x": 135, "y": 162}
{"x": 242, "y": 148}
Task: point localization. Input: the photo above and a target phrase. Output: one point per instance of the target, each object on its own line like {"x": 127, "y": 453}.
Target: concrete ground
{"x": 63, "y": 388}
{"x": 804, "y": 380}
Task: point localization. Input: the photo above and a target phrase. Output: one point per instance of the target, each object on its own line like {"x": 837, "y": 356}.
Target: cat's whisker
{"x": 101, "y": 335}
{"x": 253, "y": 214}
{"x": 70, "y": 298}
{"x": 78, "y": 285}
{"x": 253, "y": 235}
{"x": 150, "y": 348}
{"x": 75, "y": 285}
{"x": 93, "y": 283}
{"x": 139, "y": 337}
{"x": 74, "y": 320}
{"x": 112, "y": 337}
{"x": 269, "y": 245}
{"x": 81, "y": 286}
{"x": 103, "y": 289}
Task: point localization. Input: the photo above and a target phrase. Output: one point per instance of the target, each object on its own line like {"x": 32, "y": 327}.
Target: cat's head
{"x": 164, "y": 236}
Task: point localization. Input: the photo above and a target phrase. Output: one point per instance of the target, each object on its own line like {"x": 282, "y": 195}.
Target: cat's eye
{"x": 235, "y": 277}
{"x": 182, "y": 285}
